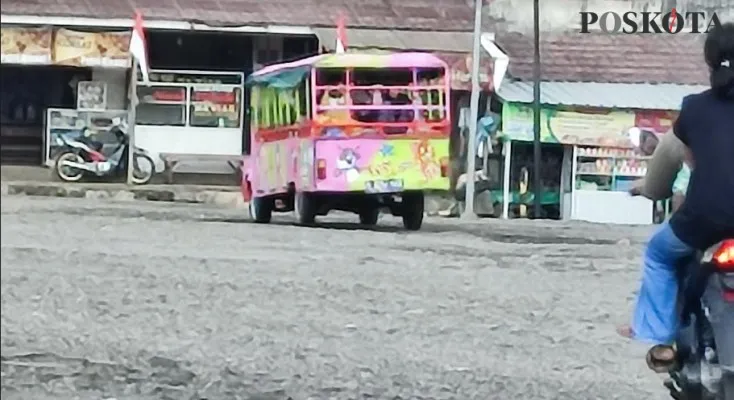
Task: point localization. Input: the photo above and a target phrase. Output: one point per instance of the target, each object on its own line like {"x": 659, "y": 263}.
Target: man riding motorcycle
{"x": 703, "y": 136}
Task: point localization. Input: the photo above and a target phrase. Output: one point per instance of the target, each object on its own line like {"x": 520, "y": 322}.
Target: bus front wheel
{"x": 412, "y": 210}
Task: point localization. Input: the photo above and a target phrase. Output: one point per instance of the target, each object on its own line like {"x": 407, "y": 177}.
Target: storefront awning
{"x": 662, "y": 96}
{"x": 453, "y": 47}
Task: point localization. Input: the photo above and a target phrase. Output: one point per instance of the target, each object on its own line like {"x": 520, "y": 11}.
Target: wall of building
{"x": 116, "y": 80}
{"x": 563, "y": 15}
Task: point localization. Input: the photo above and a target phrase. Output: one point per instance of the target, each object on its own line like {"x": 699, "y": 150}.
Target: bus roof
{"x": 289, "y": 74}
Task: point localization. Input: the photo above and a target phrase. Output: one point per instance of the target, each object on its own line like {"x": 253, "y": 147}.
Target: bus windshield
{"x": 392, "y": 98}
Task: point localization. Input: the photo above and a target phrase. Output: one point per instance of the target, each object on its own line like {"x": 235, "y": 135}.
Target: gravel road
{"x": 160, "y": 301}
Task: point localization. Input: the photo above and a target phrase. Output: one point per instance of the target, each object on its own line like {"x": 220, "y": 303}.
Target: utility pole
{"x": 471, "y": 153}
{"x": 537, "y": 189}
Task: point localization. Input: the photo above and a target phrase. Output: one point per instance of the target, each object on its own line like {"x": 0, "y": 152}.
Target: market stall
{"x": 601, "y": 179}
{"x": 597, "y": 167}
{"x": 43, "y": 68}
{"x": 93, "y": 66}
{"x": 191, "y": 112}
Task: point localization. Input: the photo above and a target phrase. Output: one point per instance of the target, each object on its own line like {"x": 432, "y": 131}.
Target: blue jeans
{"x": 656, "y": 316}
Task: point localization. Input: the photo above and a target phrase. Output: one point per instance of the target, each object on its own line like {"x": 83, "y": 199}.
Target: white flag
{"x": 341, "y": 34}
{"x": 138, "y": 46}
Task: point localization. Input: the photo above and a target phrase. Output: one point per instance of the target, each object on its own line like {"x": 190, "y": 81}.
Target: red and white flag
{"x": 341, "y": 34}
{"x": 138, "y": 45}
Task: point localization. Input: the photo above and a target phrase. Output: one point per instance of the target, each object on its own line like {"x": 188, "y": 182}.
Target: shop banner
{"x": 194, "y": 77}
{"x": 92, "y": 49}
{"x": 22, "y": 45}
{"x": 593, "y": 127}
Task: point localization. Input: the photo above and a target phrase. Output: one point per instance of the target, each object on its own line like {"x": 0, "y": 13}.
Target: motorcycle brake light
{"x": 724, "y": 255}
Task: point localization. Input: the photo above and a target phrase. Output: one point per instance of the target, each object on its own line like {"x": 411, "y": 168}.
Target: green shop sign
{"x": 592, "y": 127}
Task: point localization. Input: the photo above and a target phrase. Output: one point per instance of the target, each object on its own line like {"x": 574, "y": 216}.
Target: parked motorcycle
{"x": 80, "y": 157}
{"x": 705, "y": 340}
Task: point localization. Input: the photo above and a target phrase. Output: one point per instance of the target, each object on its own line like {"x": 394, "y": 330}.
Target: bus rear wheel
{"x": 412, "y": 208}
{"x": 369, "y": 216}
{"x": 305, "y": 208}
{"x": 261, "y": 209}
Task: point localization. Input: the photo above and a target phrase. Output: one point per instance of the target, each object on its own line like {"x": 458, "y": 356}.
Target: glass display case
{"x": 191, "y": 112}
{"x": 601, "y": 178}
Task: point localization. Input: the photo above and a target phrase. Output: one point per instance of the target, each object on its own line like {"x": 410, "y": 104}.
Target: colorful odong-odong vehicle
{"x": 352, "y": 132}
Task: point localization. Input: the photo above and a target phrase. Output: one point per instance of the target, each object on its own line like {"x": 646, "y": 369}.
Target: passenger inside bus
{"x": 331, "y": 98}
{"x": 364, "y": 97}
{"x": 395, "y": 97}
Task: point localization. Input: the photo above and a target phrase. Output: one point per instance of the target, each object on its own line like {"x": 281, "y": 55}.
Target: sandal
{"x": 661, "y": 358}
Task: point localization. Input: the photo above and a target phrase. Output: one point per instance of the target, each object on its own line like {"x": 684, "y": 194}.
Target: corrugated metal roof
{"x": 459, "y": 42}
{"x": 613, "y": 58}
{"x": 388, "y": 14}
{"x": 649, "y": 96}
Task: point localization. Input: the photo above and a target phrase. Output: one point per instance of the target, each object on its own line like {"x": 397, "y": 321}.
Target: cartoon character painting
{"x": 425, "y": 157}
{"x": 347, "y": 164}
{"x": 357, "y": 164}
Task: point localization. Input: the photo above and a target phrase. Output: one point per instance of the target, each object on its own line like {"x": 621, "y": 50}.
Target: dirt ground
{"x": 159, "y": 301}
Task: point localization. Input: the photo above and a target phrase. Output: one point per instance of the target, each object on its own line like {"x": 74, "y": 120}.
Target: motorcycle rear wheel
{"x": 144, "y": 169}
{"x": 66, "y": 173}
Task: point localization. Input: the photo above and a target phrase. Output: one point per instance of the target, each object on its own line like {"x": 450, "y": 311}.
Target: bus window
{"x": 304, "y": 101}
{"x": 385, "y": 77}
{"x": 278, "y": 107}
{"x": 290, "y": 107}
{"x": 435, "y": 96}
{"x": 330, "y": 79}
{"x": 366, "y": 97}
{"x": 409, "y": 95}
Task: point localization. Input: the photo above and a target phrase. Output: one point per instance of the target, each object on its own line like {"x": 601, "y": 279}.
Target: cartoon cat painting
{"x": 347, "y": 164}
{"x": 425, "y": 156}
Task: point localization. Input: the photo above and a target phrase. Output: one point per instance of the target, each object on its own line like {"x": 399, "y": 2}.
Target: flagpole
{"x": 131, "y": 121}
{"x": 537, "y": 154}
